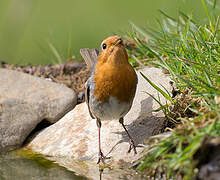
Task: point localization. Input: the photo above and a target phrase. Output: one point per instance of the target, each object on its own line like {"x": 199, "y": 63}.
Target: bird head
{"x": 113, "y": 51}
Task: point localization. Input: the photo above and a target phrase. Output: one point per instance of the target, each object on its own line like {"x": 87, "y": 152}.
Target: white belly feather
{"x": 109, "y": 110}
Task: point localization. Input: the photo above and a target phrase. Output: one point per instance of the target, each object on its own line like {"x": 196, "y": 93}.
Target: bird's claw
{"x": 132, "y": 146}
{"x": 102, "y": 158}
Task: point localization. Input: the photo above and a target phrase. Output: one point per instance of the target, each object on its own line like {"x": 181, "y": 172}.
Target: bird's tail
{"x": 90, "y": 56}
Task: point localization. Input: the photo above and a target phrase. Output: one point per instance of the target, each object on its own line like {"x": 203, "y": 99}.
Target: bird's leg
{"x": 100, "y": 155}
{"x": 131, "y": 141}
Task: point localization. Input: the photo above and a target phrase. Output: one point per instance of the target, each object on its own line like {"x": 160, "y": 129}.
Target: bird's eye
{"x": 104, "y": 46}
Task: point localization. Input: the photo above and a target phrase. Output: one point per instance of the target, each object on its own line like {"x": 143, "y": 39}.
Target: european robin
{"x": 111, "y": 88}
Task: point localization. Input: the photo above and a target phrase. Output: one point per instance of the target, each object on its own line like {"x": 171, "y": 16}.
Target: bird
{"x": 111, "y": 88}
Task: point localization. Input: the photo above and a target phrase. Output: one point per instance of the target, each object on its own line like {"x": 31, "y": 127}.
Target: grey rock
{"x": 75, "y": 137}
{"x": 25, "y": 101}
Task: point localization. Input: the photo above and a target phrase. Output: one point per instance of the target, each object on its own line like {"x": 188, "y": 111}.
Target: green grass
{"x": 189, "y": 49}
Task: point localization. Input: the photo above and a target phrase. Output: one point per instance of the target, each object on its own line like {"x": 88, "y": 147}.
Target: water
{"x": 24, "y": 164}
{"x": 42, "y": 32}
{"x": 17, "y": 166}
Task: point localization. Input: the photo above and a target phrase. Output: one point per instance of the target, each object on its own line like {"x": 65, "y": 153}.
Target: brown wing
{"x": 90, "y": 56}
{"x": 87, "y": 96}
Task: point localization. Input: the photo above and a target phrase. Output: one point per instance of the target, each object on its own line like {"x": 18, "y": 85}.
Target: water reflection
{"x": 16, "y": 167}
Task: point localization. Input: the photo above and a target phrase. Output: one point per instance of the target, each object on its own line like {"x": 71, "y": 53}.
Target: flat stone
{"x": 25, "y": 101}
{"x": 75, "y": 136}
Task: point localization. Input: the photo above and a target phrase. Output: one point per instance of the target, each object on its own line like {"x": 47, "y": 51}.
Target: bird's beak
{"x": 118, "y": 41}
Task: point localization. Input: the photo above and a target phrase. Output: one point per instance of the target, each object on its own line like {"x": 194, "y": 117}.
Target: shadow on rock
{"x": 144, "y": 126}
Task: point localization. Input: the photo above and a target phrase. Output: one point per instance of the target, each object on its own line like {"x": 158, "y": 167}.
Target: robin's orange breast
{"x": 116, "y": 81}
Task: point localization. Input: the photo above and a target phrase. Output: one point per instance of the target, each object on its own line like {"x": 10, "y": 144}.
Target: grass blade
{"x": 157, "y": 88}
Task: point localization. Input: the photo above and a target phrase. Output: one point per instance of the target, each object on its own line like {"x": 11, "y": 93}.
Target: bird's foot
{"x": 132, "y": 146}
{"x": 102, "y": 158}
